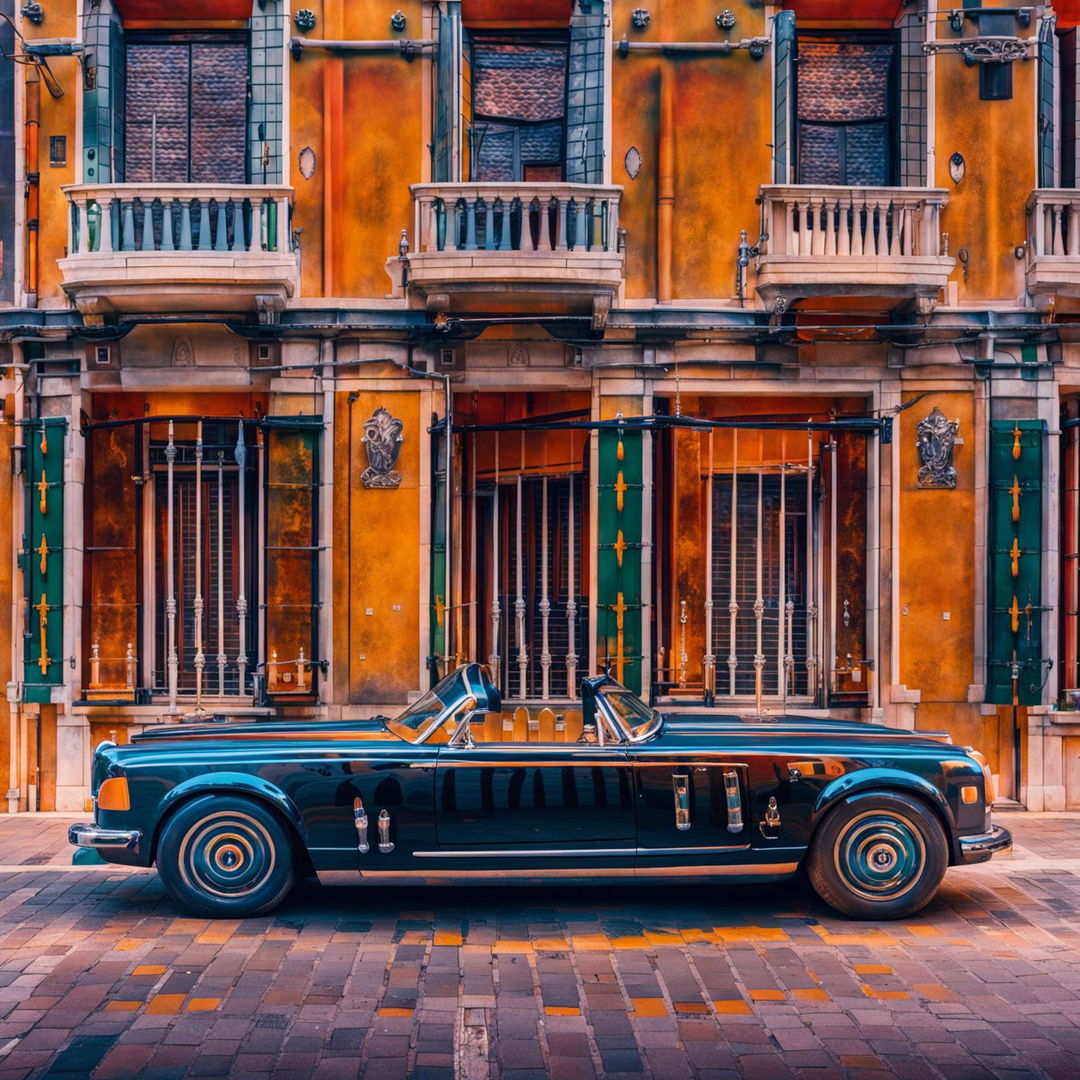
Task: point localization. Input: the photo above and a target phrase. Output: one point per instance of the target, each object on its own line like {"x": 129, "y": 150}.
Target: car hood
{"x": 373, "y": 730}
{"x": 689, "y": 724}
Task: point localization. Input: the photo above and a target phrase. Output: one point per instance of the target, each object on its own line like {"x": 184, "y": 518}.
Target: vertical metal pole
{"x": 811, "y": 575}
{"x": 759, "y": 599}
{"x": 831, "y": 655}
{"x": 571, "y": 596}
{"x": 200, "y": 655}
{"x": 240, "y": 453}
{"x": 781, "y": 628}
{"x": 262, "y": 652}
{"x": 494, "y": 662}
{"x": 519, "y": 603}
{"x": 474, "y": 611}
{"x": 448, "y": 554}
{"x": 221, "y": 657}
{"x": 545, "y": 601}
{"x": 733, "y": 603}
{"x": 710, "y": 656}
{"x": 170, "y": 555}
{"x": 684, "y": 656}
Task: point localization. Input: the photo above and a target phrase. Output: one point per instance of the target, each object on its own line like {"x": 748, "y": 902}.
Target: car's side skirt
{"x": 582, "y": 876}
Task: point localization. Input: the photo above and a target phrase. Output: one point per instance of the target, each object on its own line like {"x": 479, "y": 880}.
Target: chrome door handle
{"x": 734, "y": 801}
{"x": 360, "y": 820}
{"x": 681, "y": 787}
{"x": 386, "y": 845}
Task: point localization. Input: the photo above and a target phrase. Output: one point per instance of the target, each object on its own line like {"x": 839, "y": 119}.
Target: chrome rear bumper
{"x": 977, "y": 849}
{"x": 94, "y": 836}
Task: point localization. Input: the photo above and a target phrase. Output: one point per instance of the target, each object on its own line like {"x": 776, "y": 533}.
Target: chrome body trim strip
{"x": 90, "y": 835}
{"x": 490, "y": 877}
{"x": 552, "y": 853}
{"x": 976, "y": 849}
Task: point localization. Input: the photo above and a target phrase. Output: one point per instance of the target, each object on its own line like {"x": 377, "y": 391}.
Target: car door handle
{"x": 734, "y": 801}
{"x": 360, "y": 820}
{"x": 386, "y": 845}
{"x": 681, "y": 787}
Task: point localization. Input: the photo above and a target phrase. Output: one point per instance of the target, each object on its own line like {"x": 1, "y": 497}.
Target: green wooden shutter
{"x": 103, "y": 96}
{"x": 1047, "y": 103}
{"x": 619, "y": 536}
{"x": 446, "y": 91}
{"x": 585, "y": 99}
{"x": 783, "y": 95}
{"x": 1015, "y": 602}
{"x": 43, "y": 558}
{"x": 913, "y": 86}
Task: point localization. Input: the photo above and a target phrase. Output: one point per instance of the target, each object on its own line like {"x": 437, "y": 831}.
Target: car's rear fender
{"x": 881, "y": 780}
{"x": 229, "y": 783}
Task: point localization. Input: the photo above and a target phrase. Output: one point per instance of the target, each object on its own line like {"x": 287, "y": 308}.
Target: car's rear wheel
{"x": 226, "y": 857}
{"x": 878, "y": 856}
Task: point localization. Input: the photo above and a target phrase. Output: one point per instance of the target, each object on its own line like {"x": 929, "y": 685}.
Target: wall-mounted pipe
{"x": 406, "y": 48}
{"x": 754, "y": 46}
{"x": 33, "y": 181}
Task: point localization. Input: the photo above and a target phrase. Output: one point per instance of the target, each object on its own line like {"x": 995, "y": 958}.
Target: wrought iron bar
{"x": 684, "y": 658}
{"x": 197, "y": 604}
{"x": 260, "y": 487}
{"x": 781, "y": 627}
{"x": 545, "y": 600}
{"x": 494, "y": 660}
{"x": 519, "y": 603}
{"x": 571, "y": 601}
{"x": 811, "y": 575}
{"x": 710, "y": 657}
{"x": 733, "y": 602}
{"x": 240, "y": 454}
{"x": 831, "y": 629}
{"x": 222, "y": 659}
{"x": 759, "y": 599}
{"x": 173, "y": 661}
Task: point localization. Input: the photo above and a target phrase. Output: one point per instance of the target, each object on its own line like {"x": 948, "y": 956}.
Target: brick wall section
{"x": 843, "y": 80}
{"x": 520, "y": 82}
{"x": 218, "y": 113}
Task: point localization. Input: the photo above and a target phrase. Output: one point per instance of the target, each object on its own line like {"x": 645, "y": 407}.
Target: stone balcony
{"x": 1052, "y": 267}
{"x": 874, "y": 243}
{"x": 555, "y": 247}
{"x": 141, "y": 248}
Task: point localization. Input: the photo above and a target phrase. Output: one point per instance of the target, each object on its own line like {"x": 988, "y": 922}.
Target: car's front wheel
{"x": 878, "y": 856}
{"x": 225, "y": 857}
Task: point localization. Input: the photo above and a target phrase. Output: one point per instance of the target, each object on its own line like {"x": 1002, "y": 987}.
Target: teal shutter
{"x": 103, "y": 97}
{"x": 783, "y": 96}
{"x": 1015, "y": 602}
{"x": 1047, "y": 103}
{"x": 446, "y": 91}
{"x": 585, "y": 99}
{"x": 913, "y": 84}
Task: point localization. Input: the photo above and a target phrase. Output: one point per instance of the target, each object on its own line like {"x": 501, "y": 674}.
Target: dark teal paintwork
{"x": 583, "y": 808}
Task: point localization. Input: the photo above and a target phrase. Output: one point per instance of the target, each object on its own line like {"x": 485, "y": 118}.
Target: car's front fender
{"x": 882, "y": 779}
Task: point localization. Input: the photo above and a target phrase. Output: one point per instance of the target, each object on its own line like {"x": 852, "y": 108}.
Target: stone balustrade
{"x": 1052, "y": 265}
{"x": 208, "y": 246}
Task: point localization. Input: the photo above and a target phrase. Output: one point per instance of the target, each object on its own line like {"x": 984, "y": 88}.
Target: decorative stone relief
{"x": 632, "y": 162}
{"x": 183, "y": 354}
{"x": 305, "y": 20}
{"x": 382, "y": 441}
{"x": 935, "y": 439}
{"x": 640, "y": 17}
{"x": 518, "y": 356}
{"x": 306, "y": 163}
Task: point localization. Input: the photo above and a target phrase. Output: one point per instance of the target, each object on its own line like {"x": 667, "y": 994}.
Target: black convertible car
{"x": 456, "y": 790}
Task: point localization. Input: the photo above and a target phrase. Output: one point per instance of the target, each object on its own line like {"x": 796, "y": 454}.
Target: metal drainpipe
{"x": 665, "y": 189}
{"x": 33, "y": 188}
{"x": 14, "y": 793}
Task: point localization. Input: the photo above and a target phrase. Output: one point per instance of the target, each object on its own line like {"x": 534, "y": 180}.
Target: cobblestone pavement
{"x": 101, "y": 976}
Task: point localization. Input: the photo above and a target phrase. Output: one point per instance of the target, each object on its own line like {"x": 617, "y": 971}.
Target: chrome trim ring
{"x": 879, "y": 855}
{"x": 228, "y": 854}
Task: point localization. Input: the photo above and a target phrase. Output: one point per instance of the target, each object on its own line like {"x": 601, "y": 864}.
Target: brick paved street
{"x": 100, "y": 976}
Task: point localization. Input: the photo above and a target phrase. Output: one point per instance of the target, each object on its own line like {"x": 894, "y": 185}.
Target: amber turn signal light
{"x": 113, "y": 794}
{"x": 969, "y": 793}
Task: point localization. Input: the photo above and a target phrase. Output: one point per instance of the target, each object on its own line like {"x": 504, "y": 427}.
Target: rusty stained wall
{"x": 377, "y": 562}
{"x": 986, "y": 210}
{"x": 722, "y": 108}
{"x": 938, "y": 531}
{"x": 361, "y": 113}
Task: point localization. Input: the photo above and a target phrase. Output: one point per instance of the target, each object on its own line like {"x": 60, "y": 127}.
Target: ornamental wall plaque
{"x": 382, "y": 441}
{"x": 935, "y": 439}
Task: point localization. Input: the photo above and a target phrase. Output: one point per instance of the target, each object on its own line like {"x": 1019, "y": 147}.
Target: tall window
{"x": 845, "y": 110}
{"x": 518, "y": 124}
{"x": 186, "y": 108}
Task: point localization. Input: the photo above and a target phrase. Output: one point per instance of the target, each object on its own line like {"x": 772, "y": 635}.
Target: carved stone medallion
{"x": 935, "y": 439}
{"x": 382, "y": 441}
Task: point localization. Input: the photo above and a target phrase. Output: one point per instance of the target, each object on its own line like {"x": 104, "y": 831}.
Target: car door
{"x": 503, "y": 796}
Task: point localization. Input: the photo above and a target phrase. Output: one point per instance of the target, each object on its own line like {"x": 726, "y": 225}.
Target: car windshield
{"x": 637, "y": 718}
{"x": 416, "y": 721}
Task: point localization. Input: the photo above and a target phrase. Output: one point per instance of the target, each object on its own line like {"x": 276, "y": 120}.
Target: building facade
{"x": 732, "y": 351}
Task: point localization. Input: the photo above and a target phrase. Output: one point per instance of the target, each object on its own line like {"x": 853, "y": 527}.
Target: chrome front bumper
{"x": 94, "y": 836}
{"x": 977, "y": 849}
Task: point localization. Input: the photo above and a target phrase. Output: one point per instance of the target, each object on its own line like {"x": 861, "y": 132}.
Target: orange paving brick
{"x": 443, "y": 937}
{"x": 149, "y": 969}
{"x": 933, "y": 992}
{"x": 691, "y": 1007}
{"x": 811, "y": 994}
{"x": 887, "y": 995}
{"x": 734, "y": 1007}
{"x": 562, "y": 1010}
{"x": 873, "y": 969}
{"x": 203, "y": 1004}
{"x": 122, "y": 1006}
{"x": 393, "y": 1010}
{"x": 768, "y": 995}
{"x": 165, "y": 1004}
{"x": 648, "y": 1007}
{"x": 129, "y": 944}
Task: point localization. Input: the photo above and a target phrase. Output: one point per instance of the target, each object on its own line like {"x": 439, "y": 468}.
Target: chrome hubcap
{"x": 879, "y": 855}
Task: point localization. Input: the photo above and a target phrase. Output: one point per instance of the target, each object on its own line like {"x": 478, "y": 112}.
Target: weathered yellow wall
{"x": 377, "y": 563}
{"x": 723, "y": 124}
{"x": 986, "y": 210}
{"x": 7, "y": 586}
